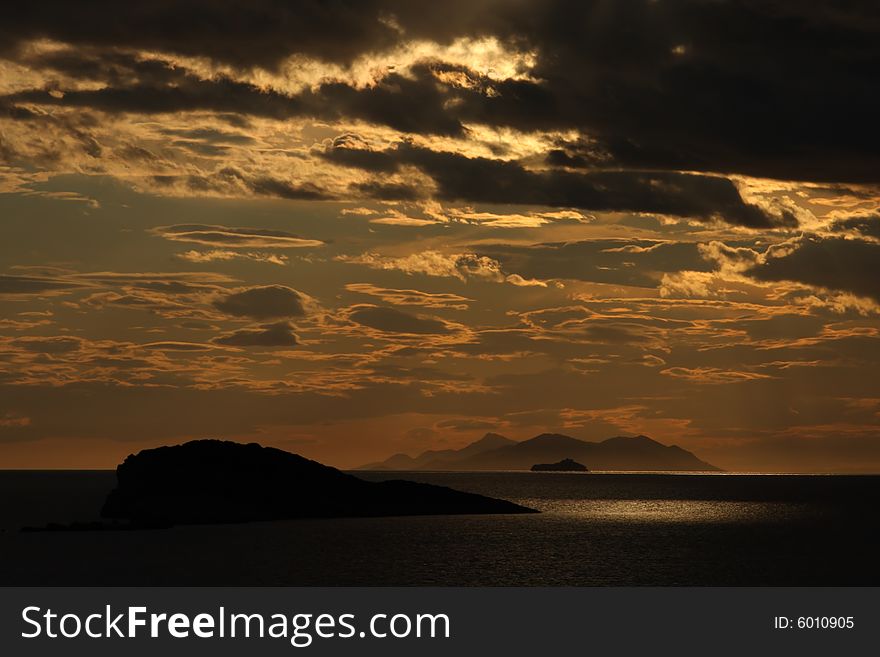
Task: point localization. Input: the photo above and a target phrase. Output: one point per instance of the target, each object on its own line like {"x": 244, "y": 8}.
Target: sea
{"x": 594, "y": 529}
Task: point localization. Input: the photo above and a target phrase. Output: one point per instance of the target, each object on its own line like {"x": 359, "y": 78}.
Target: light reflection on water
{"x": 666, "y": 510}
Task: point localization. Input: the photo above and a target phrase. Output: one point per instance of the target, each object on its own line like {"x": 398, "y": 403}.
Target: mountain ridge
{"x": 487, "y": 442}
{"x": 496, "y": 452}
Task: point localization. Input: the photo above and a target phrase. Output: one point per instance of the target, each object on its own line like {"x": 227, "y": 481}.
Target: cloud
{"x": 169, "y": 295}
{"x": 463, "y": 266}
{"x": 351, "y": 150}
{"x": 171, "y": 282}
{"x": 725, "y": 81}
{"x": 23, "y": 325}
{"x": 175, "y": 345}
{"x": 279, "y": 334}
{"x": 412, "y": 103}
{"x": 638, "y": 263}
{"x": 713, "y": 375}
{"x": 433, "y": 263}
{"x": 866, "y": 226}
{"x": 223, "y": 236}
{"x": 163, "y": 304}
{"x": 389, "y": 216}
{"x": 233, "y": 181}
{"x": 486, "y": 180}
{"x": 33, "y": 285}
{"x": 467, "y": 424}
{"x": 397, "y": 220}
{"x": 263, "y": 302}
{"x": 412, "y": 297}
{"x": 482, "y": 136}
{"x": 408, "y": 170}
{"x": 390, "y": 320}
{"x": 14, "y": 420}
{"x": 264, "y": 185}
{"x": 519, "y": 281}
{"x": 224, "y": 33}
{"x": 851, "y": 265}
{"x": 221, "y": 255}
{"x": 619, "y": 333}
{"x": 420, "y": 433}
{"x": 689, "y": 284}
{"x": 50, "y": 345}
{"x": 211, "y": 136}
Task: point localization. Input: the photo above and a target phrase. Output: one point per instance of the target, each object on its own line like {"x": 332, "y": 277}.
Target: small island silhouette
{"x": 213, "y": 481}
{"x": 565, "y": 465}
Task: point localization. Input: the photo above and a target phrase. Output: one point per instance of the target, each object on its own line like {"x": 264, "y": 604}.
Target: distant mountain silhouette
{"x": 437, "y": 459}
{"x": 565, "y": 465}
{"x": 212, "y": 481}
{"x": 495, "y": 452}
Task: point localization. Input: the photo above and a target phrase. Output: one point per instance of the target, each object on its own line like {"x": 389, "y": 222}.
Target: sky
{"x": 349, "y": 229}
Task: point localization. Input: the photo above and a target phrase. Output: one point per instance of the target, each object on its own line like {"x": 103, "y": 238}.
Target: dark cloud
{"x": 264, "y": 302}
{"x": 740, "y": 86}
{"x": 745, "y": 86}
{"x": 269, "y": 186}
{"x": 32, "y": 285}
{"x": 230, "y": 178}
{"x": 409, "y": 103}
{"x": 869, "y": 226}
{"x": 391, "y": 320}
{"x": 117, "y": 67}
{"x": 621, "y": 262}
{"x": 491, "y": 181}
{"x": 389, "y": 191}
{"x": 351, "y": 151}
{"x": 9, "y": 110}
{"x": 240, "y": 33}
{"x": 486, "y": 180}
{"x": 755, "y": 88}
{"x": 250, "y": 33}
{"x": 175, "y": 92}
{"x": 279, "y": 334}
{"x": 850, "y": 265}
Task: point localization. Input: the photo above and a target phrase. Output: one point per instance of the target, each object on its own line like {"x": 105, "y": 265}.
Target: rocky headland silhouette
{"x": 213, "y": 481}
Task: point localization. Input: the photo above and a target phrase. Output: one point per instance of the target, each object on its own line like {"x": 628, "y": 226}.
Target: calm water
{"x": 594, "y": 529}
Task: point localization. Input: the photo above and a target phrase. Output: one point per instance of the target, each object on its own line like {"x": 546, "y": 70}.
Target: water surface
{"x": 594, "y": 529}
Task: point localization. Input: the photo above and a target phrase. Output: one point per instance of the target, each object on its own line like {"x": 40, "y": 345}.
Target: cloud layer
{"x": 380, "y": 226}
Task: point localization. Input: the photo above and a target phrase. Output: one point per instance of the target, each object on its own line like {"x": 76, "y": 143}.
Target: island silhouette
{"x": 495, "y": 452}
{"x": 213, "y": 481}
{"x": 565, "y": 465}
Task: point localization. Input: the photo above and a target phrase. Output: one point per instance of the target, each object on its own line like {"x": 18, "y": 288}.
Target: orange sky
{"x": 391, "y": 231}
